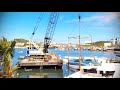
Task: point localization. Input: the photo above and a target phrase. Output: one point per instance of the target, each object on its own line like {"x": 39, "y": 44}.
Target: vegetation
{"x": 6, "y": 52}
{"x": 86, "y": 45}
{"x": 98, "y": 43}
{"x": 21, "y": 40}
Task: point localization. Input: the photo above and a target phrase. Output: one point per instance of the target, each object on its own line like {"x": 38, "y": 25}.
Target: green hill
{"x": 98, "y": 43}
{"x": 21, "y": 40}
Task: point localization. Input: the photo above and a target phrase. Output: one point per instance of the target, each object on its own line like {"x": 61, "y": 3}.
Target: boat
{"x": 106, "y": 70}
{"x": 85, "y": 62}
{"x": 117, "y": 50}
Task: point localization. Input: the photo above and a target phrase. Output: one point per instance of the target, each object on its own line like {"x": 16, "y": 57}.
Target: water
{"x": 53, "y": 73}
{"x": 38, "y": 73}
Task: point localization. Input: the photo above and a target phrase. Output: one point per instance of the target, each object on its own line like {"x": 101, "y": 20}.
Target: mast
{"x": 79, "y": 46}
{"x": 68, "y": 53}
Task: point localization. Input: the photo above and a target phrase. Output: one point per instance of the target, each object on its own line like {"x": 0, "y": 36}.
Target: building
{"x": 112, "y": 41}
{"x": 20, "y": 44}
{"x": 115, "y": 41}
{"x": 107, "y": 44}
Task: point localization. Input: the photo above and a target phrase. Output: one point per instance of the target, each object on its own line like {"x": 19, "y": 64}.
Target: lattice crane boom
{"x": 50, "y": 30}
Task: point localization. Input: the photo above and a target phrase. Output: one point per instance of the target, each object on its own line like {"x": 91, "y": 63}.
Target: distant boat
{"x": 117, "y": 52}
{"x": 84, "y": 62}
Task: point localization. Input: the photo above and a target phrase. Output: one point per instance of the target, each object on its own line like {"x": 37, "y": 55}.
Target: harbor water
{"x": 53, "y": 73}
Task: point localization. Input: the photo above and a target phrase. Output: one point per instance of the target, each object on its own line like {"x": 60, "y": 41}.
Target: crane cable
{"x": 37, "y": 24}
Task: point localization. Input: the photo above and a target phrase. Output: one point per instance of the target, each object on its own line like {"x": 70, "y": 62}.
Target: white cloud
{"x": 104, "y": 19}
{"x": 92, "y": 18}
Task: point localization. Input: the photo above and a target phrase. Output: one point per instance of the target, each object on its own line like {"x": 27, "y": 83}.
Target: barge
{"x": 37, "y": 59}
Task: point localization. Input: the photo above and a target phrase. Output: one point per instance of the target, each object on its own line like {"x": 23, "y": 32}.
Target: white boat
{"x": 108, "y": 70}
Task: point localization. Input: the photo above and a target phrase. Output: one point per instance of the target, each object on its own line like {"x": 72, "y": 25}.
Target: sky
{"x": 102, "y": 26}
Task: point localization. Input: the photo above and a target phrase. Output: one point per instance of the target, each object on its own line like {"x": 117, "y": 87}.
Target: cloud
{"x": 109, "y": 17}
{"x": 105, "y": 18}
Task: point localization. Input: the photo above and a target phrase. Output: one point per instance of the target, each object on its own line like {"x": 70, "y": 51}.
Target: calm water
{"x": 52, "y": 73}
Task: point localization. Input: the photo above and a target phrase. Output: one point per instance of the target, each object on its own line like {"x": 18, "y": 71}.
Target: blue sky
{"x": 101, "y": 25}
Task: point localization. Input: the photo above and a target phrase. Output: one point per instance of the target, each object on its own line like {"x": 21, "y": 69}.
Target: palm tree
{"x": 6, "y": 52}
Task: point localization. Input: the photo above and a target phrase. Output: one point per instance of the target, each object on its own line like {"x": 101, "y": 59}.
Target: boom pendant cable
{"x": 37, "y": 24}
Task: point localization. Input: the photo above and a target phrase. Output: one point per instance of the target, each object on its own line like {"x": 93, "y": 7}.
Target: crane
{"x": 50, "y": 30}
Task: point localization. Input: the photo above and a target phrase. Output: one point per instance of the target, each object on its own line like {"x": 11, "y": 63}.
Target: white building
{"x": 19, "y": 44}
{"x": 118, "y": 40}
{"x": 115, "y": 41}
{"x": 112, "y": 41}
{"x": 107, "y": 44}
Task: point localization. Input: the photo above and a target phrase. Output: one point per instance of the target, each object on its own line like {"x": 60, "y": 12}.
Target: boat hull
{"x": 42, "y": 67}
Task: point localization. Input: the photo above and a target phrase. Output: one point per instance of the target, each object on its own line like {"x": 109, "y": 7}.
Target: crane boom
{"x": 50, "y": 30}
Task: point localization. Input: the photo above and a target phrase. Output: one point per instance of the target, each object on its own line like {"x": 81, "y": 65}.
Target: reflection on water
{"x": 40, "y": 73}
{"x": 43, "y": 73}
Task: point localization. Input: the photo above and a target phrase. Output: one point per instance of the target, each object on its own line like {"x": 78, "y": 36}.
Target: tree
{"x": 6, "y": 52}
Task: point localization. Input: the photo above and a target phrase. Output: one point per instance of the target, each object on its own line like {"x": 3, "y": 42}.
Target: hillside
{"x": 98, "y": 43}
{"x": 21, "y": 40}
